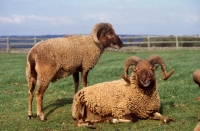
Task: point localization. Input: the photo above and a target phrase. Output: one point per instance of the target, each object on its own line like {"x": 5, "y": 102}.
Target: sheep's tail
{"x": 31, "y": 74}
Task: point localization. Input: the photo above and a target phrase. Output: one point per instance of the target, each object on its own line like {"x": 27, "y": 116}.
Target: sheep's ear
{"x": 101, "y": 32}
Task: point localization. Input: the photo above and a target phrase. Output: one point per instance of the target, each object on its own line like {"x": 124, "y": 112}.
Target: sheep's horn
{"x": 155, "y": 59}
{"x": 127, "y": 79}
{"x": 133, "y": 60}
{"x": 97, "y": 28}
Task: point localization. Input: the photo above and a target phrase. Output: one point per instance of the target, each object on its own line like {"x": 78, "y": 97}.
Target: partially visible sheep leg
{"x": 31, "y": 76}
{"x": 31, "y": 84}
{"x": 114, "y": 121}
{"x": 39, "y": 98}
{"x": 76, "y": 81}
{"x": 127, "y": 118}
{"x": 84, "y": 78}
{"x": 158, "y": 116}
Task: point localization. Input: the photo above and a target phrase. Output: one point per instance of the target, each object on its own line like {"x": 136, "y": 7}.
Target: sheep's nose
{"x": 144, "y": 80}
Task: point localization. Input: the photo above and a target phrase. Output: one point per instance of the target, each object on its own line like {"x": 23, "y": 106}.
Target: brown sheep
{"x": 196, "y": 78}
{"x": 57, "y": 58}
{"x": 122, "y": 100}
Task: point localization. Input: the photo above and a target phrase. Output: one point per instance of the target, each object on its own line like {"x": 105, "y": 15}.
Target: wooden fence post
{"x": 8, "y": 44}
{"x": 177, "y": 42}
{"x": 35, "y": 40}
{"x": 148, "y": 42}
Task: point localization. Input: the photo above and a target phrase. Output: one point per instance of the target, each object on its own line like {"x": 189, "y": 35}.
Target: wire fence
{"x": 147, "y": 42}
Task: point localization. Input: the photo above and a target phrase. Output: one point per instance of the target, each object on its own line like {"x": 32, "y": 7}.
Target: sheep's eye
{"x": 110, "y": 35}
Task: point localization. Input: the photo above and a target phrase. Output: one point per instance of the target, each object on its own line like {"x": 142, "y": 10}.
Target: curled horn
{"x": 155, "y": 59}
{"x": 133, "y": 60}
{"x": 97, "y": 28}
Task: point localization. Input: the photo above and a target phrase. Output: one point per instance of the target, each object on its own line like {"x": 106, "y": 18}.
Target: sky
{"x": 129, "y": 17}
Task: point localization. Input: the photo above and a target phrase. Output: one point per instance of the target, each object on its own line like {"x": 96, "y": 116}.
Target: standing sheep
{"x": 57, "y": 58}
{"x": 122, "y": 100}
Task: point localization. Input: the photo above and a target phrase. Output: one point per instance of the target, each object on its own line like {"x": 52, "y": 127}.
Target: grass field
{"x": 177, "y": 94}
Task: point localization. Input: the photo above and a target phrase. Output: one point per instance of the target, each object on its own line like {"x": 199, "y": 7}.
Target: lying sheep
{"x": 57, "y": 58}
{"x": 122, "y": 100}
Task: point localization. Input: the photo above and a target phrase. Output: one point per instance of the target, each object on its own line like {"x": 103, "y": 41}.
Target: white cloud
{"x": 19, "y": 19}
{"x": 52, "y": 20}
{"x": 96, "y": 17}
{"x": 15, "y": 19}
{"x": 192, "y": 18}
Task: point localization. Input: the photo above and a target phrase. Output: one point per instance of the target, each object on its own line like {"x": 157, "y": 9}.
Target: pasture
{"x": 177, "y": 94}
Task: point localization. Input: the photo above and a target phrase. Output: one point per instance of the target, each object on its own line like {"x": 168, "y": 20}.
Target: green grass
{"x": 177, "y": 94}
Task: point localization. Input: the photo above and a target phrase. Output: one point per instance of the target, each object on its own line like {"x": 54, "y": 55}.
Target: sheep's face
{"x": 145, "y": 74}
{"x": 110, "y": 39}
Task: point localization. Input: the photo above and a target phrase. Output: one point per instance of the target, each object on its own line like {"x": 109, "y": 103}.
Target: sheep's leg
{"x": 87, "y": 124}
{"x": 39, "y": 97}
{"x": 158, "y": 116}
{"x": 114, "y": 121}
{"x": 84, "y": 78}
{"x": 31, "y": 76}
{"x": 127, "y": 118}
{"x": 76, "y": 81}
{"x": 31, "y": 84}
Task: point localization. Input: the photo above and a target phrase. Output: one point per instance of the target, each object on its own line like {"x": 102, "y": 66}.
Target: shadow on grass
{"x": 57, "y": 104}
{"x": 170, "y": 104}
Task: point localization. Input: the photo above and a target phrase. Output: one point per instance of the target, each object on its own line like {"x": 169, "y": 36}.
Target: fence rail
{"x": 140, "y": 41}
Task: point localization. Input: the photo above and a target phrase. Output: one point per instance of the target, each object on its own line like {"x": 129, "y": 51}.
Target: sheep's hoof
{"x": 42, "y": 118}
{"x": 91, "y": 126}
{"x": 168, "y": 120}
{"x": 30, "y": 117}
{"x": 113, "y": 121}
{"x": 87, "y": 124}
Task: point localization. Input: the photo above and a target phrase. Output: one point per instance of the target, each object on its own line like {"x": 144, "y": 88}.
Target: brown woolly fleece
{"x": 59, "y": 53}
{"x": 117, "y": 99}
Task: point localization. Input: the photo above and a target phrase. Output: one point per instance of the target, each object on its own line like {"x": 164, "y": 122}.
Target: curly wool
{"x": 116, "y": 98}
{"x": 59, "y": 52}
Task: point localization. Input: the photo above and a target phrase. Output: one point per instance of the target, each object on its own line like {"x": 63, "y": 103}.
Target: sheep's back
{"x": 102, "y": 98}
{"x": 68, "y": 53}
